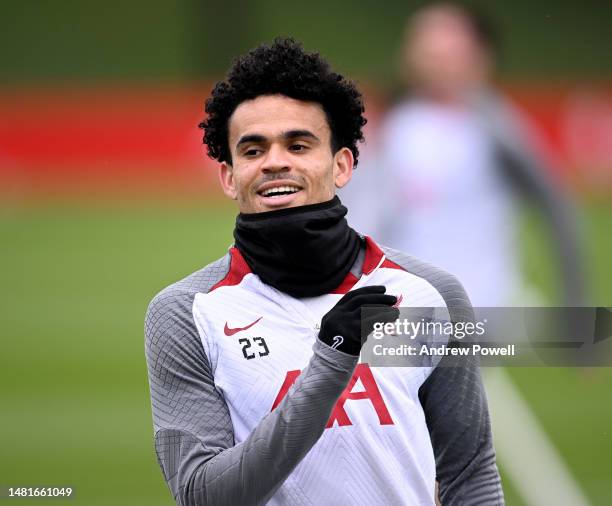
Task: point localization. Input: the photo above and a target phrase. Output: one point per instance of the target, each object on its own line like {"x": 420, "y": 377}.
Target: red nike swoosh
{"x": 231, "y": 332}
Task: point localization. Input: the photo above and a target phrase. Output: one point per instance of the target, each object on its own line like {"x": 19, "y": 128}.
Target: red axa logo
{"x": 370, "y": 392}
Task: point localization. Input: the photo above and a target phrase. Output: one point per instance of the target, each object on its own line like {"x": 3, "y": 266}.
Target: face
{"x": 442, "y": 55}
{"x": 282, "y": 156}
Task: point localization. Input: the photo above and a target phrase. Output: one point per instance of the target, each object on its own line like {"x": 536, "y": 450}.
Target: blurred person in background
{"x": 452, "y": 157}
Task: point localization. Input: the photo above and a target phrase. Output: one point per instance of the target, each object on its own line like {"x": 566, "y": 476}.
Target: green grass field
{"x": 76, "y": 281}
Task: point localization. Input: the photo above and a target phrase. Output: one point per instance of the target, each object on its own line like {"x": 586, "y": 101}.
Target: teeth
{"x": 280, "y": 189}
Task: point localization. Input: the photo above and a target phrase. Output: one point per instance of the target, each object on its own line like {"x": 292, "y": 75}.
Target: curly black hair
{"x": 284, "y": 68}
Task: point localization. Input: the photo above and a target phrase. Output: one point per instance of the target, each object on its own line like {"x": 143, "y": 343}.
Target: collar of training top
{"x": 303, "y": 251}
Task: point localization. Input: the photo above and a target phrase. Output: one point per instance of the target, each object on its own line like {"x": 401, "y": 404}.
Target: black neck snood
{"x": 303, "y": 251}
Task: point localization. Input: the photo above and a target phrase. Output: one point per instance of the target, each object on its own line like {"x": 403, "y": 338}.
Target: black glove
{"x": 341, "y": 327}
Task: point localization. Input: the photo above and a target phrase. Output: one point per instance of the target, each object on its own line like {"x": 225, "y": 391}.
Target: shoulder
{"x": 201, "y": 281}
{"x": 502, "y": 118}
{"x": 174, "y": 303}
{"x": 444, "y": 283}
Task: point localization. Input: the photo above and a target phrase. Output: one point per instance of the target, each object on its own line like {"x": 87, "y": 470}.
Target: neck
{"x": 304, "y": 251}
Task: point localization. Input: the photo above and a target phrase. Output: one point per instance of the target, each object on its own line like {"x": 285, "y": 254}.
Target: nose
{"x": 276, "y": 160}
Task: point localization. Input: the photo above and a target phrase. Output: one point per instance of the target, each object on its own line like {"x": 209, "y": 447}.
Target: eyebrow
{"x": 290, "y": 134}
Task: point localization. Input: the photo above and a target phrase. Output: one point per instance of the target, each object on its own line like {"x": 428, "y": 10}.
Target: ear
{"x": 226, "y": 177}
{"x": 343, "y": 167}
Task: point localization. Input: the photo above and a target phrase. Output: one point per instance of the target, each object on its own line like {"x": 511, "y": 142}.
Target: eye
{"x": 252, "y": 152}
{"x": 297, "y": 148}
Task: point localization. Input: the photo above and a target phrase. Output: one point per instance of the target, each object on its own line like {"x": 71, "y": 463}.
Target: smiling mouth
{"x": 279, "y": 191}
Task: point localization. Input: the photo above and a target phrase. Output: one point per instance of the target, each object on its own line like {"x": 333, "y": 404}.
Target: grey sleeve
{"x": 455, "y": 406}
{"x": 523, "y": 168}
{"x": 193, "y": 431}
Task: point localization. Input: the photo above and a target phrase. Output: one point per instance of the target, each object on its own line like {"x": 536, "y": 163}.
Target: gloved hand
{"x": 341, "y": 326}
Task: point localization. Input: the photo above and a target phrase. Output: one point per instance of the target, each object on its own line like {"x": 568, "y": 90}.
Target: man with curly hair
{"x": 256, "y": 389}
